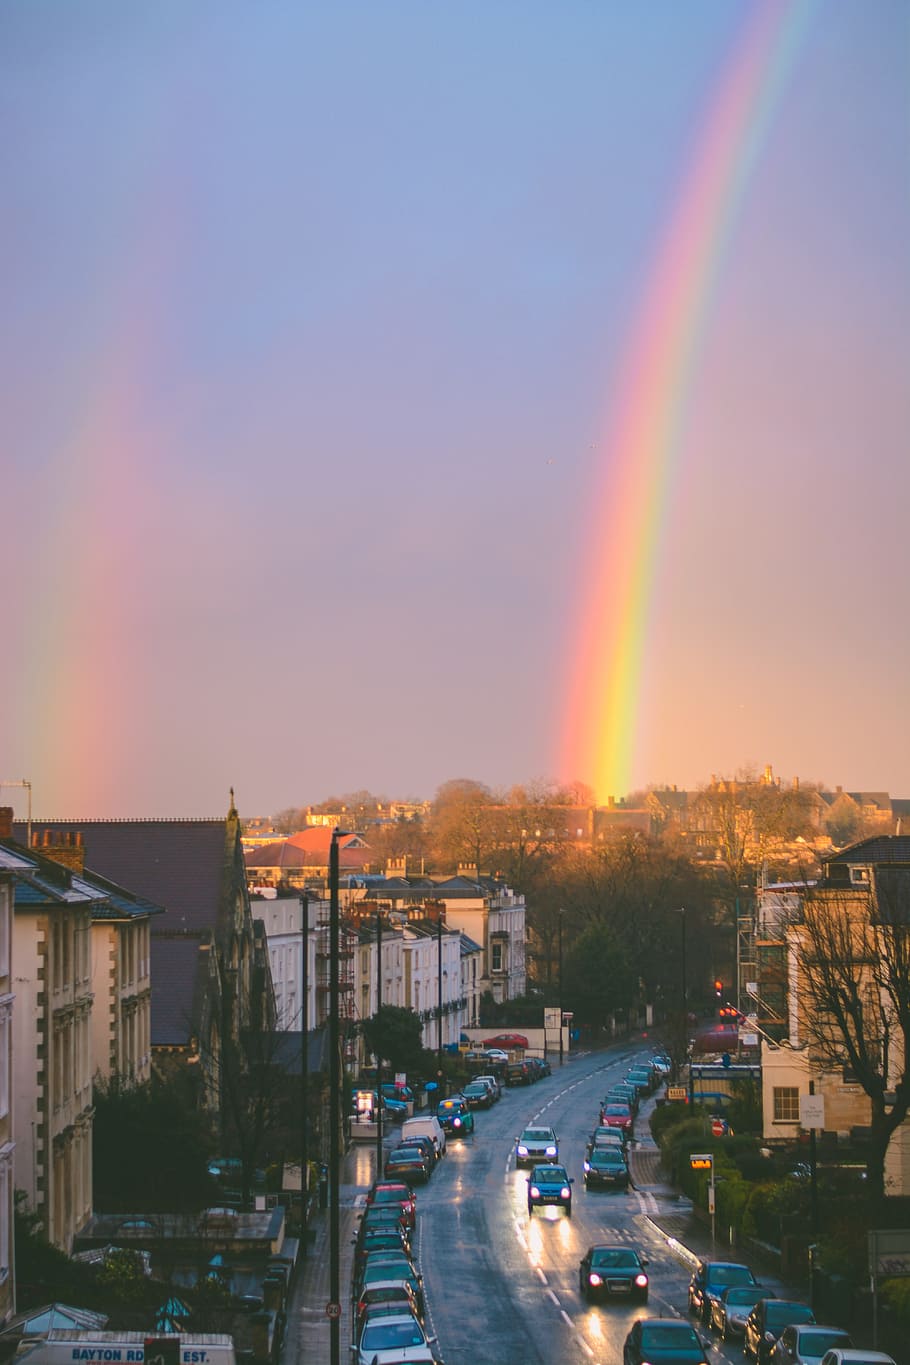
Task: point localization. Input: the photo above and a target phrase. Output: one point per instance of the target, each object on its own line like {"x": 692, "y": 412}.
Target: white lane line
{"x": 553, "y": 1297}
{"x": 543, "y": 1278}
{"x": 566, "y": 1319}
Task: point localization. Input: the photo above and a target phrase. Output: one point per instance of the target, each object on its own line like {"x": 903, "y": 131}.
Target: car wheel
{"x": 530, "y": 1209}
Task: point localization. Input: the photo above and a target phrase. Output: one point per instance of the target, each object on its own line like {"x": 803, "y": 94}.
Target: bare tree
{"x": 853, "y": 954}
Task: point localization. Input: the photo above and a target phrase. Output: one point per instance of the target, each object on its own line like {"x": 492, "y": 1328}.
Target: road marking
{"x": 553, "y": 1297}
{"x": 543, "y": 1277}
{"x": 565, "y": 1317}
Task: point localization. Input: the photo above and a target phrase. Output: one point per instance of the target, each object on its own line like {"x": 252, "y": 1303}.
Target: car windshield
{"x": 817, "y": 1343}
{"x": 388, "y": 1336}
{"x": 781, "y": 1314}
{"x": 537, "y": 1135}
{"x": 550, "y": 1175}
{"x": 655, "y": 1336}
{"x": 614, "y": 1258}
{"x": 744, "y": 1297}
{"x": 729, "y": 1274}
{"x": 618, "y": 1110}
{"x": 607, "y": 1156}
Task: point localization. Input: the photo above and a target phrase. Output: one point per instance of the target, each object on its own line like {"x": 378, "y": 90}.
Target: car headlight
{"x": 565, "y": 1192}
{"x": 522, "y": 1151}
{"x": 587, "y": 1165}
{"x": 534, "y": 1192}
{"x": 594, "y": 1279}
{"x": 641, "y": 1281}
{"x": 551, "y": 1151}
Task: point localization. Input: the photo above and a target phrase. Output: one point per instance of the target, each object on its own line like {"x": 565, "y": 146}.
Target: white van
{"x": 67, "y": 1347}
{"x": 425, "y": 1125}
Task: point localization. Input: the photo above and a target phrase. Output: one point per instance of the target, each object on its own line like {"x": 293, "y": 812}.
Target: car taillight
{"x": 641, "y": 1281}
{"x": 456, "y": 1123}
{"x": 594, "y": 1278}
{"x": 535, "y": 1192}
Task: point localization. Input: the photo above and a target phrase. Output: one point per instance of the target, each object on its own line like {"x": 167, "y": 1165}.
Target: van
{"x": 425, "y": 1125}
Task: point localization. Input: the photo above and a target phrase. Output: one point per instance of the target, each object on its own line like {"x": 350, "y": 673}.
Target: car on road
{"x": 606, "y": 1169}
{"x": 603, "y": 1136}
{"x": 843, "y": 1356}
{"x": 506, "y": 1041}
{"x": 536, "y": 1145}
{"x": 478, "y": 1095}
{"x": 455, "y": 1116}
{"x": 494, "y": 1084}
{"x": 663, "y": 1341}
{"x": 517, "y": 1073}
{"x": 424, "y": 1145}
{"x": 496, "y": 1054}
{"x": 385, "y": 1216}
{"x": 606, "y": 1272}
{"x": 550, "y": 1184}
{"x": 767, "y": 1320}
{"x": 396, "y": 1193}
{"x": 729, "y": 1309}
{"x": 408, "y": 1164}
{"x": 805, "y": 1343}
{"x": 399, "y": 1294}
{"x": 644, "y": 1076}
{"x": 371, "y": 1240}
{"x": 710, "y": 1279}
{"x": 623, "y": 1094}
{"x": 387, "y": 1334}
{"x": 618, "y": 1116}
{"x": 380, "y": 1276}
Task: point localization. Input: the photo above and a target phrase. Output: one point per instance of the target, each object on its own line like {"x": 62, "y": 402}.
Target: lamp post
{"x": 379, "y": 1050}
{"x": 334, "y": 1306}
{"x": 684, "y": 982}
{"x": 304, "y": 1058}
{"x": 561, "y": 1048}
{"x": 439, "y": 996}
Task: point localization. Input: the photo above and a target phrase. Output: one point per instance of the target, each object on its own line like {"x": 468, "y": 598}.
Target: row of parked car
{"x": 726, "y": 1296}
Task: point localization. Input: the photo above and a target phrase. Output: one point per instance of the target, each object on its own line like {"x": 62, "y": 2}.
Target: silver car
{"x": 805, "y": 1343}
{"x": 730, "y": 1309}
{"x": 535, "y": 1146}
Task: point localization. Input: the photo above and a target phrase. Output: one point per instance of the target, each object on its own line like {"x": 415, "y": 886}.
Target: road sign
{"x": 811, "y": 1111}
{"x": 889, "y": 1254}
{"x": 333, "y": 1310}
{"x": 701, "y": 1161}
{"x": 718, "y": 1127}
{"x": 677, "y": 1092}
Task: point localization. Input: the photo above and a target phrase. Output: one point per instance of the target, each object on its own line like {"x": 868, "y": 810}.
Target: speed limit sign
{"x": 333, "y": 1310}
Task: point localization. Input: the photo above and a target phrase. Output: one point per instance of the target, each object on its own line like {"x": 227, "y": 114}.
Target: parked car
{"x": 399, "y": 1294}
{"x": 606, "y": 1168}
{"x": 496, "y": 1054}
{"x": 805, "y": 1343}
{"x": 643, "y": 1074}
{"x": 373, "y": 1239}
{"x": 455, "y": 1116}
{"x": 709, "y": 1281}
{"x": 478, "y": 1095}
{"x": 845, "y": 1356}
{"x": 604, "y": 1136}
{"x": 550, "y": 1184}
{"x": 396, "y": 1193}
{"x": 494, "y": 1083}
{"x": 517, "y": 1073}
{"x": 729, "y": 1310}
{"x": 618, "y": 1116}
{"x": 506, "y": 1041}
{"x": 536, "y": 1145}
{"x": 663, "y": 1341}
{"x": 391, "y": 1335}
{"x": 386, "y": 1215}
{"x": 767, "y": 1320}
{"x": 424, "y": 1145}
{"x": 606, "y": 1272}
{"x": 381, "y": 1274}
{"x": 407, "y": 1164}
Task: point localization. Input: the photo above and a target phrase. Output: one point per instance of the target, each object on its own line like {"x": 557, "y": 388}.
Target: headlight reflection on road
{"x": 535, "y": 1241}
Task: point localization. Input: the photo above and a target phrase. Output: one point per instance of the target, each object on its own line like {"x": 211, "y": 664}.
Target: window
{"x": 786, "y": 1104}
{"x": 496, "y": 956}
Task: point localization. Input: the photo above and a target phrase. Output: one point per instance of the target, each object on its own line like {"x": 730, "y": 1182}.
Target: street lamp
{"x": 379, "y": 1047}
{"x": 304, "y": 1057}
{"x": 684, "y": 1048}
{"x": 561, "y": 913}
{"x": 439, "y": 995}
{"x": 334, "y": 1306}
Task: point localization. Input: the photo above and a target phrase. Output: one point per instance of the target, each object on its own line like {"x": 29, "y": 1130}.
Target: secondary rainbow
{"x": 643, "y": 443}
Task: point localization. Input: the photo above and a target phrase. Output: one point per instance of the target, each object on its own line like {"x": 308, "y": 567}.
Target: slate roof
{"x": 288, "y": 1051}
{"x": 880, "y": 848}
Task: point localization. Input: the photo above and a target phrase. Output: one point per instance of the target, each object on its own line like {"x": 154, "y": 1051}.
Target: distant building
{"x": 7, "y": 1143}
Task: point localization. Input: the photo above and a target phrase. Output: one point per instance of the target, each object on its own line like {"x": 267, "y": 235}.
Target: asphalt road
{"x": 502, "y": 1286}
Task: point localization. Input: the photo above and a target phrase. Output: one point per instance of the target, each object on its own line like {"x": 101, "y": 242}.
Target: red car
{"x": 618, "y": 1116}
{"x": 506, "y": 1041}
{"x": 391, "y": 1192}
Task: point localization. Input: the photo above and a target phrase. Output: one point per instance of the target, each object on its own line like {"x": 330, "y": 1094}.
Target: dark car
{"x": 643, "y": 1075}
{"x": 767, "y": 1320}
{"x": 478, "y": 1095}
{"x": 709, "y": 1281}
{"x": 399, "y": 1294}
{"x": 605, "y": 1272}
{"x": 550, "y": 1185}
{"x": 424, "y": 1145}
{"x": 386, "y": 1216}
{"x": 517, "y": 1073}
{"x": 378, "y": 1239}
{"x": 623, "y": 1094}
{"x": 382, "y": 1272}
{"x": 730, "y": 1310}
{"x": 663, "y": 1341}
{"x": 407, "y": 1164}
{"x": 455, "y": 1116}
{"x": 606, "y": 1169}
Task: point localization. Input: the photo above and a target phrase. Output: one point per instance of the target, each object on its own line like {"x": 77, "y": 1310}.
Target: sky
{"x": 323, "y": 331}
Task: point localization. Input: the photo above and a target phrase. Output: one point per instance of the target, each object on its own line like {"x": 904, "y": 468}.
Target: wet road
{"x": 502, "y": 1286}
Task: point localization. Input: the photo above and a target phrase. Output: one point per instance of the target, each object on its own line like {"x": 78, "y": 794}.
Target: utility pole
{"x": 561, "y": 1046}
{"x": 379, "y": 1049}
{"x": 439, "y": 996}
{"x": 304, "y": 1059}
{"x": 335, "y": 1078}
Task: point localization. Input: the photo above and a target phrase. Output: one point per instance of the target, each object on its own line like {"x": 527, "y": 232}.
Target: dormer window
{"x": 859, "y": 875}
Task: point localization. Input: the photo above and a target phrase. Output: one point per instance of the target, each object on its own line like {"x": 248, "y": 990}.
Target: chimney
{"x": 6, "y": 822}
{"x": 67, "y": 849}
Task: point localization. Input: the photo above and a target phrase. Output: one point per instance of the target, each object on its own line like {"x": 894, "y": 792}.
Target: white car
{"x": 494, "y": 1085}
{"x": 804, "y": 1343}
{"x": 536, "y": 1145}
{"x": 855, "y": 1356}
{"x": 391, "y": 1336}
{"x": 495, "y": 1054}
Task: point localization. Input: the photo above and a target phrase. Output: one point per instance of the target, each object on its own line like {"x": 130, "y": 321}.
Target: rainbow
{"x": 603, "y": 705}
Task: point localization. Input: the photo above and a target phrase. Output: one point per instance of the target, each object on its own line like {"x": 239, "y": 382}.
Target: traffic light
{"x": 718, "y": 989}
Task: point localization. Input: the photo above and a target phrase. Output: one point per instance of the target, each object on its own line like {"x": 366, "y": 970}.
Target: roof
{"x": 879, "y": 848}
